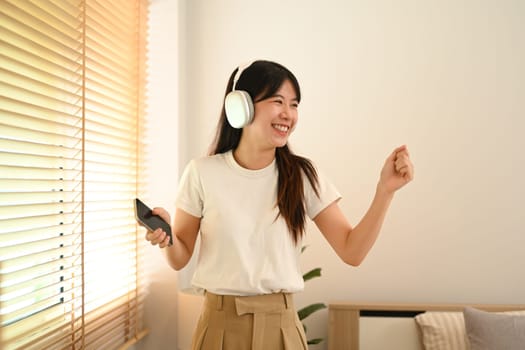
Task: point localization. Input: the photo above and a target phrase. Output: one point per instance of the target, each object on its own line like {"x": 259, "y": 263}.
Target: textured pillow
{"x": 491, "y": 331}
{"x": 442, "y": 330}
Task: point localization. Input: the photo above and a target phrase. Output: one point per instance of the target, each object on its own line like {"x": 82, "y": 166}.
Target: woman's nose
{"x": 286, "y": 111}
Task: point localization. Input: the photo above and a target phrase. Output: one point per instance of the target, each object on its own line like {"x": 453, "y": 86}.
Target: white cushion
{"x": 442, "y": 330}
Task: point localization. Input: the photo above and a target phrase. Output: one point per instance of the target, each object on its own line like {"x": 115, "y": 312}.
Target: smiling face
{"x": 276, "y": 94}
{"x": 275, "y": 118}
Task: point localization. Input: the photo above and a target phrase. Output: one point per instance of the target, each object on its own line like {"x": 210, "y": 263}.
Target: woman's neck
{"x": 252, "y": 158}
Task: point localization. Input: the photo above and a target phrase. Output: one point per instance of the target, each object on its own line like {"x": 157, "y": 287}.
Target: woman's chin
{"x": 280, "y": 144}
{"x": 280, "y": 141}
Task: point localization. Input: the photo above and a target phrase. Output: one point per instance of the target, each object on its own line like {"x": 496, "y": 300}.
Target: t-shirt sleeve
{"x": 189, "y": 194}
{"x": 328, "y": 194}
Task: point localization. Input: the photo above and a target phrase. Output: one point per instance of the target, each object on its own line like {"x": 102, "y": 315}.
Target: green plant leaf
{"x": 310, "y": 309}
{"x": 312, "y": 274}
{"x": 315, "y": 341}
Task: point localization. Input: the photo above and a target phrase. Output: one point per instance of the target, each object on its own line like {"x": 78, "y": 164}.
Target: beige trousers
{"x": 263, "y": 322}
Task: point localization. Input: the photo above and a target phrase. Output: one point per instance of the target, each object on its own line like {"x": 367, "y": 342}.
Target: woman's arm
{"x": 353, "y": 244}
{"x": 185, "y": 228}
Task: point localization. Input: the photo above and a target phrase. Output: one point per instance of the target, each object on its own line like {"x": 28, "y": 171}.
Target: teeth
{"x": 282, "y": 128}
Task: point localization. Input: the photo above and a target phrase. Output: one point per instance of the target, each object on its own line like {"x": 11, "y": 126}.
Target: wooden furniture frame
{"x": 343, "y": 318}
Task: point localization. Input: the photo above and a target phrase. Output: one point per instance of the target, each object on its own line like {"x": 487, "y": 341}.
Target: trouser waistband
{"x": 267, "y": 303}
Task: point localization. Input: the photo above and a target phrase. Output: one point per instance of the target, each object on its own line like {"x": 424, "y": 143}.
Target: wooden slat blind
{"x": 72, "y": 91}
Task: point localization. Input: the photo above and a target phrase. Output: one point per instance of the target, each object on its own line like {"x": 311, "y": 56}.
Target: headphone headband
{"x": 240, "y": 69}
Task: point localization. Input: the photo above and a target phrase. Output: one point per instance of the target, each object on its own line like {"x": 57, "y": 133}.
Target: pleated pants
{"x": 262, "y": 322}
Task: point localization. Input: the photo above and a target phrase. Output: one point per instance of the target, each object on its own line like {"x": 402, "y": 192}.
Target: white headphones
{"x": 238, "y": 104}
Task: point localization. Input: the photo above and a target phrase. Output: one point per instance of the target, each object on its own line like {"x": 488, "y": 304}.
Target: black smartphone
{"x": 152, "y": 222}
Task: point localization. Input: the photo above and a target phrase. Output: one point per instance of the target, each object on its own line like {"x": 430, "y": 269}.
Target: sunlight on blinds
{"x": 72, "y": 77}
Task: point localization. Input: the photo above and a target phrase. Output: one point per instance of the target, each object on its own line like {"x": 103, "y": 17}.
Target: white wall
{"x": 162, "y": 151}
{"x": 444, "y": 77}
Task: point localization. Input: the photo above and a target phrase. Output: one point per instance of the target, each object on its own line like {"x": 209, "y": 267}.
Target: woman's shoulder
{"x": 208, "y": 161}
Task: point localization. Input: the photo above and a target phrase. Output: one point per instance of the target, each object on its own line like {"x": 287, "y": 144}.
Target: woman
{"x": 249, "y": 200}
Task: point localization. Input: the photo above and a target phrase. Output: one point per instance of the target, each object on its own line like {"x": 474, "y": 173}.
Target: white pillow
{"x": 442, "y": 330}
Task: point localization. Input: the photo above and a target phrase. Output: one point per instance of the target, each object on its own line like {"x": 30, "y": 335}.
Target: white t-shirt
{"x": 244, "y": 249}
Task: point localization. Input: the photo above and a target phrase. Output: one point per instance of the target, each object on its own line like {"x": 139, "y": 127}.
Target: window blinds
{"x": 72, "y": 77}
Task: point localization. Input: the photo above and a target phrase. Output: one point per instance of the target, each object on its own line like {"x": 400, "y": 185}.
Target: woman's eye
{"x": 278, "y": 101}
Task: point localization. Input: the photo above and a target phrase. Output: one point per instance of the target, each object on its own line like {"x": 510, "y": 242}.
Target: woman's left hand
{"x": 397, "y": 171}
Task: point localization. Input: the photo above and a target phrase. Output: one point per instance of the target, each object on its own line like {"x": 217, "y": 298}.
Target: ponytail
{"x": 290, "y": 189}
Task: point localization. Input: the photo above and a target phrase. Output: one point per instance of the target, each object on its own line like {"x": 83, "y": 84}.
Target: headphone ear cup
{"x": 238, "y": 106}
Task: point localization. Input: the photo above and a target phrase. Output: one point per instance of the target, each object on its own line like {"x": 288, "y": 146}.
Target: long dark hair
{"x": 262, "y": 79}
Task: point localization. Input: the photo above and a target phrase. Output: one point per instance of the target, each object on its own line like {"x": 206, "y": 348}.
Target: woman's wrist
{"x": 383, "y": 192}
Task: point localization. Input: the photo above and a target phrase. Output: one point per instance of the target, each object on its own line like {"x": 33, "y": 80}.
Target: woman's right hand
{"x": 159, "y": 237}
